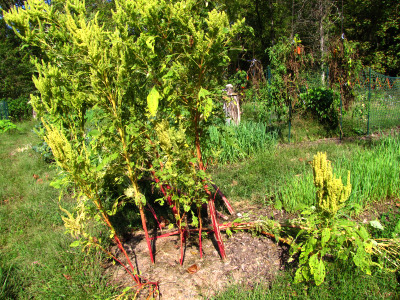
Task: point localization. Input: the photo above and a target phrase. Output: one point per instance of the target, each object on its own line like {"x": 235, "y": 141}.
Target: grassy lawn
{"x": 36, "y": 261}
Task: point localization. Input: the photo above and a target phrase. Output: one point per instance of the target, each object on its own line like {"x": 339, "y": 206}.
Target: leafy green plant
{"x": 288, "y": 63}
{"x": 323, "y": 103}
{"x": 344, "y": 68}
{"x": 233, "y": 143}
{"x": 19, "y": 108}
{"x": 6, "y": 125}
{"x": 390, "y": 226}
{"x": 239, "y": 80}
{"x": 127, "y": 103}
{"x": 325, "y": 234}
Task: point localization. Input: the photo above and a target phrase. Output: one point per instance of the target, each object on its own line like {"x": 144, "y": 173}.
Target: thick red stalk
{"x": 182, "y": 241}
{"x": 226, "y": 202}
{"x": 118, "y": 241}
{"x": 217, "y": 232}
{"x": 146, "y": 233}
{"x": 134, "y": 276}
{"x": 211, "y": 204}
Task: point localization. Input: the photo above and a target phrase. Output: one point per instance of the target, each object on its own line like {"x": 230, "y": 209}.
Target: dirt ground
{"x": 250, "y": 259}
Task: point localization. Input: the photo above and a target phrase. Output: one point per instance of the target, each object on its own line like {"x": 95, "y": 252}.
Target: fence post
{"x": 369, "y": 99}
{"x": 340, "y": 115}
{"x": 269, "y": 75}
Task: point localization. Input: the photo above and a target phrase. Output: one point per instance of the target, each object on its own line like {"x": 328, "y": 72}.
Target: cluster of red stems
{"x": 183, "y": 231}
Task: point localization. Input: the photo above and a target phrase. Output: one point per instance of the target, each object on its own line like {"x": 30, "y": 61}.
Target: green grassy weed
{"x": 35, "y": 258}
{"x": 235, "y": 143}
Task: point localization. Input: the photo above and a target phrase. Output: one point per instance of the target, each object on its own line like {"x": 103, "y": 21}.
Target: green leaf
{"x": 325, "y": 236}
{"x": 75, "y": 244}
{"x": 150, "y": 42}
{"x": 152, "y": 102}
{"x": 363, "y": 233}
{"x": 94, "y": 133}
{"x": 299, "y": 275}
{"x": 319, "y": 275}
{"x": 203, "y": 93}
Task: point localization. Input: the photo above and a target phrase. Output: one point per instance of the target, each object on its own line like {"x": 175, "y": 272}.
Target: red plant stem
{"x": 174, "y": 210}
{"x": 220, "y": 215}
{"x": 217, "y": 232}
{"x": 117, "y": 240}
{"x": 134, "y": 276}
{"x": 151, "y": 209}
{"x": 211, "y": 204}
{"x": 163, "y": 191}
{"x": 200, "y": 229}
{"x": 182, "y": 238}
{"x": 226, "y": 202}
{"x": 146, "y": 233}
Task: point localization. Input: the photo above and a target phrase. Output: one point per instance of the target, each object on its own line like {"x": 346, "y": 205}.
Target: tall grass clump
{"x": 230, "y": 143}
{"x": 375, "y": 175}
{"x": 376, "y": 171}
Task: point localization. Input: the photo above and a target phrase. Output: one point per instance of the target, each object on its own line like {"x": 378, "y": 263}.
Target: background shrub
{"x": 322, "y": 103}
{"x": 19, "y": 108}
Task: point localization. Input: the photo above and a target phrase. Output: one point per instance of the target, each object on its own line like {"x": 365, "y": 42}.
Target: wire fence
{"x": 3, "y": 110}
{"x": 375, "y": 105}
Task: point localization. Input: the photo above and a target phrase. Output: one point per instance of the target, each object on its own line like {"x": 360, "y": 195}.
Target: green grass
{"x": 235, "y": 143}
{"x": 284, "y": 176}
{"x": 35, "y": 258}
{"x": 342, "y": 282}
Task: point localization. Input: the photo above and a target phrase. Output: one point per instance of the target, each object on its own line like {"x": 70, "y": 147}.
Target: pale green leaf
{"x": 376, "y": 224}
{"x": 203, "y": 93}
{"x": 75, "y": 244}
{"x": 152, "y": 102}
{"x": 325, "y": 236}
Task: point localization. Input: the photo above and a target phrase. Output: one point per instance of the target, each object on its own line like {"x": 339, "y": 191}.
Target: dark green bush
{"x": 19, "y": 108}
{"x": 323, "y": 104}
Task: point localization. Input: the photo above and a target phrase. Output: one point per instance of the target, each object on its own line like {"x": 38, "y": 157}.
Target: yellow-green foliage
{"x": 331, "y": 193}
{"x": 60, "y": 147}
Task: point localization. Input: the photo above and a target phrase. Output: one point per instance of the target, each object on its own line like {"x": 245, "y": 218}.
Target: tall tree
{"x": 376, "y": 26}
{"x": 15, "y": 67}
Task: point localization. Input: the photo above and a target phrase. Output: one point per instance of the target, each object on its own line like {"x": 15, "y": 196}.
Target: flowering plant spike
{"x": 331, "y": 193}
